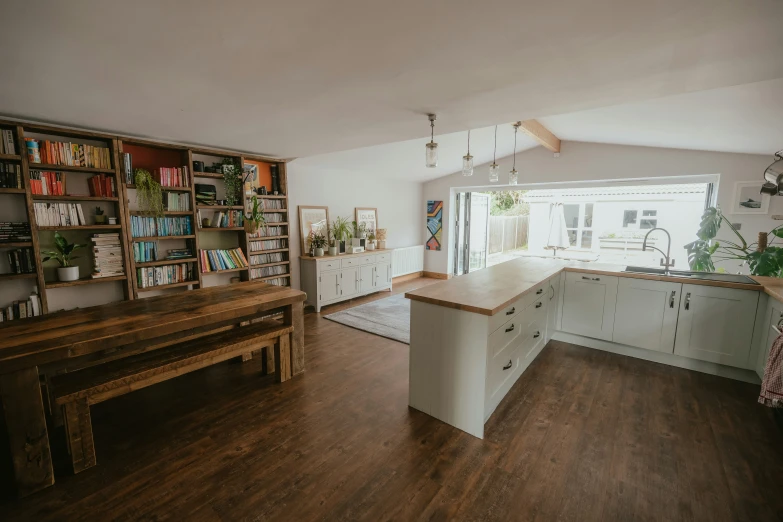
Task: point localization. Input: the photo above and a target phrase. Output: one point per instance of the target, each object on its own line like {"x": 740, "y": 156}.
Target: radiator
{"x": 407, "y": 260}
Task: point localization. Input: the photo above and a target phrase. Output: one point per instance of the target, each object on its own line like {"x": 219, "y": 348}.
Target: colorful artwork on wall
{"x": 434, "y": 224}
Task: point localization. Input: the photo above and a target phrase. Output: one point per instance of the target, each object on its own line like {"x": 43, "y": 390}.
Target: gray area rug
{"x": 390, "y": 318}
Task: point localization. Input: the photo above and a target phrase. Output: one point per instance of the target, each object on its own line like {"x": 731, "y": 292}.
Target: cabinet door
{"x": 646, "y": 315}
{"x": 349, "y": 282}
{"x": 328, "y": 288}
{"x": 551, "y": 312}
{"x": 589, "y": 304}
{"x": 774, "y": 325}
{"x": 716, "y": 324}
{"x": 383, "y": 275}
{"x": 366, "y": 279}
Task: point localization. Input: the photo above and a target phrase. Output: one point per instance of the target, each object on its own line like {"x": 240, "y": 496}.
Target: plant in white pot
{"x": 317, "y": 242}
{"x": 371, "y": 240}
{"x": 341, "y": 232}
{"x": 380, "y": 236}
{"x": 333, "y": 248}
{"x": 64, "y": 256}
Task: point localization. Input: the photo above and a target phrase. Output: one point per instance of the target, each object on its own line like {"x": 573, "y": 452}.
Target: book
{"x": 7, "y": 142}
{"x": 217, "y": 260}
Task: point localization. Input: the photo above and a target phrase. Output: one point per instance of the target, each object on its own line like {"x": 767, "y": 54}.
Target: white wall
{"x": 400, "y": 204}
{"x": 591, "y": 162}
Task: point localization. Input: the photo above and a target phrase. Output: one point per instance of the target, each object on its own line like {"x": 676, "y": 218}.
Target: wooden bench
{"x": 74, "y": 392}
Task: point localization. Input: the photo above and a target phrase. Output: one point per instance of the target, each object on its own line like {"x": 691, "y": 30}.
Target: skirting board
{"x": 406, "y": 277}
{"x": 436, "y": 275}
{"x": 660, "y": 357}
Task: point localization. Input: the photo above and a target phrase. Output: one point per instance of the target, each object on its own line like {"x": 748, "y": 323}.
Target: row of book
{"x": 102, "y": 186}
{"x": 142, "y": 226}
{"x": 127, "y": 168}
{"x": 268, "y": 244}
{"x": 216, "y": 260}
{"x": 255, "y": 273}
{"x": 47, "y": 183}
{"x": 177, "y": 201}
{"x": 269, "y": 232}
{"x": 165, "y": 275}
{"x": 107, "y": 256}
{"x": 21, "y": 261}
{"x": 7, "y": 142}
{"x": 59, "y": 214}
{"x": 272, "y": 204}
{"x": 10, "y": 175}
{"x": 274, "y": 217}
{"x": 145, "y": 251}
{"x": 262, "y": 259}
{"x": 68, "y": 154}
{"x": 222, "y": 219}
{"x": 14, "y": 231}
{"x": 31, "y": 307}
{"x": 266, "y": 271}
{"x": 172, "y": 176}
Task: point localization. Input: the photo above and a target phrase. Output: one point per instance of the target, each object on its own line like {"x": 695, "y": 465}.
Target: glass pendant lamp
{"x": 431, "y": 152}
{"x": 467, "y": 161}
{"x": 494, "y": 169}
{"x": 513, "y": 176}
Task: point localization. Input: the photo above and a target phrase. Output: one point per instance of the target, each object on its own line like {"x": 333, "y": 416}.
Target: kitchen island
{"x": 473, "y": 336}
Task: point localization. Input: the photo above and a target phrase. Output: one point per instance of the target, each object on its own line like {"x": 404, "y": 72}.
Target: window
{"x": 579, "y": 224}
{"x": 629, "y": 218}
{"x": 651, "y": 220}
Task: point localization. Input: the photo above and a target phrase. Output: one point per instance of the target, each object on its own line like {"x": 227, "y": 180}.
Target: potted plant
{"x": 332, "y": 243}
{"x": 64, "y": 256}
{"x": 255, "y": 219}
{"x": 149, "y": 195}
{"x": 371, "y": 240}
{"x": 232, "y": 176}
{"x": 359, "y": 234}
{"x": 341, "y": 232}
{"x": 100, "y": 217}
{"x": 317, "y": 243}
{"x": 380, "y": 235}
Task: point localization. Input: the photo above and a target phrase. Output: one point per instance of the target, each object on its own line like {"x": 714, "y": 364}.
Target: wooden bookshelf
{"x": 84, "y": 227}
{"x": 11, "y": 191}
{"x": 85, "y": 281}
{"x": 165, "y": 262}
{"x": 68, "y": 197}
{"x": 160, "y": 238}
{"x": 8, "y": 277}
{"x": 220, "y": 229}
{"x": 69, "y": 168}
{"x": 170, "y": 285}
{"x": 16, "y": 244}
{"x": 10, "y": 157}
{"x": 226, "y": 271}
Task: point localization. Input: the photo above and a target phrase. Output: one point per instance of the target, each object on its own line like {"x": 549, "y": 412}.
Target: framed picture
{"x": 747, "y": 199}
{"x": 250, "y": 179}
{"x": 368, "y": 216}
{"x": 312, "y": 219}
{"x": 434, "y": 224}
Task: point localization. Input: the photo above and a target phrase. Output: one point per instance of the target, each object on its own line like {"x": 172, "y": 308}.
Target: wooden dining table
{"x": 88, "y": 336}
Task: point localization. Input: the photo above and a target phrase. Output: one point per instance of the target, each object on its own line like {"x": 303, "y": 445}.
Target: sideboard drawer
{"x": 332, "y": 264}
{"x": 350, "y": 261}
{"x": 507, "y": 334}
{"x": 383, "y": 258}
{"x": 366, "y": 259}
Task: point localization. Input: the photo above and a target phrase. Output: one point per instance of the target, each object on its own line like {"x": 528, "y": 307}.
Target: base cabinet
{"x": 646, "y": 314}
{"x": 589, "y": 305}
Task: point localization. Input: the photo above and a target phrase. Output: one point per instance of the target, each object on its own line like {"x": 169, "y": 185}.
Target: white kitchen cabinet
{"x": 646, "y": 313}
{"x": 716, "y": 324}
{"x": 367, "y": 279}
{"x": 553, "y": 295}
{"x": 383, "y": 274}
{"x": 349, "y": 282}
{"x": 589, "y": 305}
{"x": 330, "y": 285}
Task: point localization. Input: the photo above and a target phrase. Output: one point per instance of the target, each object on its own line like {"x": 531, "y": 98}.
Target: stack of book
{"x": 268, "y": 244}
{"x": 167, "y": 226}
{"x": 10, "y": 175}
{"x": 59, "y": 214}
{"x": 269, "y": 232}
{"x": 179, "y": 253}
{"x": 47, "y": 183}
{"x": 224, "y": 219}
{"x": 217, "y": 260}
{"x": 102, "y": 186}
{"x": 263, "y": 259}
{"x": 165, "y": 275}
{"x": 21, "y": 261}
{"x": 272, "y": 204}
{"x": 107, "y": 256}
{"x": 21, "y": 309}
{"x": 66, "y": 153}
{"x": 172, "y": 177}
{"x": 177, "y": 202}
{"x": 275, "y": 217}
{"x": 14, "y": 231}
{"x": 269, "y": 271}
{"x": 145, "y": 251}
{"x": 7, "y": 142}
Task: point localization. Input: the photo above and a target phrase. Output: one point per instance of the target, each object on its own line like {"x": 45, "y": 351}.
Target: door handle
{"x": 591, "y": 278}
{"x": 539, "y": 304}
{"x": 539, "y": 291}
{"x": 688, "y": 301}
{"x": 512, "y": 311}
{"x": 506, "y": 367}
{"x": 553, "y": 292}
{"x": 510, "y": 328}
{"x": 537, "y": 334}
{"x": 671, "y": 299}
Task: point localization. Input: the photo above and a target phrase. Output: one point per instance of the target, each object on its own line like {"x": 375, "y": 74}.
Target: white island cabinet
{"x": 331, "y": 279}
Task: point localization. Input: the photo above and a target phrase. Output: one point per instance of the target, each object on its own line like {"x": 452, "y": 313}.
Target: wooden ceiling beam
{"x": 541, "y": 134}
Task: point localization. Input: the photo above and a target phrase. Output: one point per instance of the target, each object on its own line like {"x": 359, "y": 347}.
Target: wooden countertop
{"x": 490, "y": 290}
{"x": 327, "y": 257}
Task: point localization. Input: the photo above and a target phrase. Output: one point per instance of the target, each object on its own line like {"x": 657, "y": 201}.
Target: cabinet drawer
{"x": 501, "y": 369}
{"x": 507, "y": 334}
{"x": 382, "y": 258}
{"x": 366, "y": 260}
{"x": 350, "y": 261}
{"x": 332, "y": 264}
{"x": 536, "y": 295}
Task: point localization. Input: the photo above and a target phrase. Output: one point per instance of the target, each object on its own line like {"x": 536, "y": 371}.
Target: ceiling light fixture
{"x": 431, "y": 154}
{"x": 513, "y": 176}
{"x": 773, "y": 176}
{"x": 467, "y": 161}
{"x": 494, "y": 169}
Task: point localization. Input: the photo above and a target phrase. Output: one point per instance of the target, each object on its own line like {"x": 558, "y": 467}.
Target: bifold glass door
{"x": 471, "y": 232}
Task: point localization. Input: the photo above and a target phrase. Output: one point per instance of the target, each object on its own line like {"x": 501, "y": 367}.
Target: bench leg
{"x": 283, "y": 358}
{"x": 247, "y": 356}
{"x": 78, "y": 429}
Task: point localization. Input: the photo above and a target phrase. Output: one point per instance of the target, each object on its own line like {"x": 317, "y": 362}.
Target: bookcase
{"x": 19, "y": 205}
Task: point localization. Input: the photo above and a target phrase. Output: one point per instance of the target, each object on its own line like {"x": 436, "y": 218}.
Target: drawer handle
{"x": 512, "y": 311}
{"x": 539, "y": 304}
{"x": 688, "y": 301}
{"x": 540, "y": 291}
{"x": 506, "y": 367}
{"x": 510, "y": 328}
{"x": 591, "y": 278}
{"x": 671, "y": 299}
{"x": 537, "y": 335}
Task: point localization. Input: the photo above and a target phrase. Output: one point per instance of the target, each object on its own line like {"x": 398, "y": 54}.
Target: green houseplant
{"x": 255, "y": 219}
{"x": 317, "y": 243}
{"x": 100, "y": 217}
{"x": 232, "y": 176}
{"x": 371, "y": 240}
{"x": 341, "y": 233}
{"x": 63, "y": 255}
{"x": 149, "y": 194}
{"x": 706, "y": 251}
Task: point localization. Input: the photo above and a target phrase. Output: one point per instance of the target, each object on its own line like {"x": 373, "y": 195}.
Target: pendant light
{"x": 494, "y": 169}
{"x": 467, "y": 161}
{"x": 513, "y": 176}
{"x": 773, "y": 176}
{"x": 431, "y": 154}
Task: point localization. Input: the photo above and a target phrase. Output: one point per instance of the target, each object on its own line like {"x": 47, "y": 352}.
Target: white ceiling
{"x": 308, "y": 77}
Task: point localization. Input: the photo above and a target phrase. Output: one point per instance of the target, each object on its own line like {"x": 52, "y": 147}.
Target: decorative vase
{"x": 319, "y": 252}
{"x": 251, "y": 227}
{"x": 382, "y": 244}
{"x": 370, "y": 245}
{"x": 332, "y": 250}
{"x": 68, "y": 273}
{"x": 100, "y": 219}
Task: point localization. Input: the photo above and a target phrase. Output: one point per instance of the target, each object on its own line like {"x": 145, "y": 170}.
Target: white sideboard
{"x": 331, "y": 279}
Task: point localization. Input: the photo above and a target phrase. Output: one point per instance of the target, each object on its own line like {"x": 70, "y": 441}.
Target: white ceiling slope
{"x": 308, "y": 77}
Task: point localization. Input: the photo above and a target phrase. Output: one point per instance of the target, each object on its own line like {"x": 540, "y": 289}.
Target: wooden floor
{"x": 584, "y": 435}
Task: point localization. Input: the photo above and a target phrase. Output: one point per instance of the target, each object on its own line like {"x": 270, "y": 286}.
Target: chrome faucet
{"x": 669, "y": 261}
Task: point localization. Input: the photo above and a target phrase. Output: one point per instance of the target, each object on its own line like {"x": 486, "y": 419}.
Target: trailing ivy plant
{"x": 149, "y": 195}
{"x": 706, "y": 251}
{"x": 232, "y": 176}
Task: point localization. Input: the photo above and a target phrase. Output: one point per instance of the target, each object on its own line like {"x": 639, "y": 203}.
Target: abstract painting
{"x": 434, "y": 224}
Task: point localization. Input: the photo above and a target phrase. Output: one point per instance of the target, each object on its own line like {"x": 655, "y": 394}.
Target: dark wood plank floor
{"x": 584, "y": 435}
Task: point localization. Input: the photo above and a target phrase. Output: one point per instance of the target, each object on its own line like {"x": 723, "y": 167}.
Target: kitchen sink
{"x": 703, "y": 276}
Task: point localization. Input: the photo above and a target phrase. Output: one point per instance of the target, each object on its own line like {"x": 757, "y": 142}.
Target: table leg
{"x": 24, "y": 414}
{"x": 294, "y": 315}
